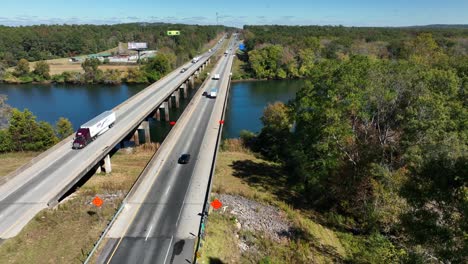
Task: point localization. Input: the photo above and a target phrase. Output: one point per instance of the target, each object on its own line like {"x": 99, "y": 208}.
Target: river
{"x": 80, "y": 103}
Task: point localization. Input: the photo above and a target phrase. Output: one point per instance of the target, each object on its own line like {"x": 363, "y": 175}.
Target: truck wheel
{"x": 111, "y": 125}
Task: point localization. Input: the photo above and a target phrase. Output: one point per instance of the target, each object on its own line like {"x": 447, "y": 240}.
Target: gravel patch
{"x": 255, "y": 216}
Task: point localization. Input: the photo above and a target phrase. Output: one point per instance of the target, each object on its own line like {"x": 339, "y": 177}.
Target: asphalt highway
{"x": 150, "y": 236}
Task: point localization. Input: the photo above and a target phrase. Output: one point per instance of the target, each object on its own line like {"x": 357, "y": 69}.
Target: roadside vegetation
{"x": 66, "y": 234}
{"x": 9, "y": 162}
{"x": 257, "y": 184}
{"x": 21, "y": 132}
{"x": 375, "y": 143}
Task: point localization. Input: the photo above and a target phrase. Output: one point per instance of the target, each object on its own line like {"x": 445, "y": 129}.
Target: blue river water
{"x": 80, "y": 103}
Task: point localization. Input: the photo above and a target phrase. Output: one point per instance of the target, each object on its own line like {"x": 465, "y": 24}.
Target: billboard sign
{"x": 137, "y": 45}
{"x": 173, "y": 32}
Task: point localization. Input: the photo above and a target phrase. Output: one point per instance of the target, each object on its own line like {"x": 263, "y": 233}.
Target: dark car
{"x": 184, "y": 159}
{"x": 205, "y": 93}
{"x": 183, "y": 70}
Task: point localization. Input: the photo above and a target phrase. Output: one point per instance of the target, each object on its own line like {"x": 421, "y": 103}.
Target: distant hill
{"x": 441, "y": 26}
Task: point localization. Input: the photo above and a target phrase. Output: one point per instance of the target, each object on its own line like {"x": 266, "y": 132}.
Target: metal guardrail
{"x": 206, "y": 204}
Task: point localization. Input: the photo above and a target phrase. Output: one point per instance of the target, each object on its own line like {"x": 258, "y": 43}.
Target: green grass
{"x": 67, "y": 233}
{"x": 242, "y": 173}
{"x": 11, "y": 161}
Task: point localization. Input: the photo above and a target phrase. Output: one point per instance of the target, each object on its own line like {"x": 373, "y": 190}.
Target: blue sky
{"x": 236, "y": 13}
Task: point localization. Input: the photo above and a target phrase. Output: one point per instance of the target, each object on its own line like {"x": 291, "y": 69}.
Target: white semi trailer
{"x": 93, "y": 128}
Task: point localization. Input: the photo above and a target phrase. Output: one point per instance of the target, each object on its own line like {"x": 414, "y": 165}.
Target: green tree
{"x": 267, "y": 62}
{"x": 6, "y": 144}
{"x": 273, "y": 139}
{"x": 5, "y": 111}
{"x": 2, "y": 69}
{"x": 27, "y": 134}
{"x": 136, "y": 75}
{"x": 157, "y": 67}
{"x": 63, "y": 128}
{"x": 42, "y": 70}
{"x": 425, "y": 50}
{"x": 45, "y": 137}
{"x": 23, "y": 129}
{"x": 22, "y": 68}
{"x": 92, "y": 72}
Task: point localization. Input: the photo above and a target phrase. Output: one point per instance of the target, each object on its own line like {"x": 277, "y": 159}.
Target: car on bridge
{"x": 184, "y": 159}
{"x": 183, "y": 70}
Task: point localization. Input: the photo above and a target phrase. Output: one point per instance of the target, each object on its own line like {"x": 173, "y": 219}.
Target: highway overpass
{"x": 42, "y": 182}
{"x": 160, "y": 218}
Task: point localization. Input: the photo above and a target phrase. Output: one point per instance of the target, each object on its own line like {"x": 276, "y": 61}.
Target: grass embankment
{"x": 67, "y": 233}
{"x": 240, "y": 67}
{"x": 11, "y": 161}
{"x": 240, "y": 172}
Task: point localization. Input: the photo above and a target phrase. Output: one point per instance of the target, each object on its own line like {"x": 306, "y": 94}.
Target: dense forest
{"x": 21, "y": 45}
{"x": 43, "y": 42}
{"x": 377, "y": 139}
{"x": 278, "y": 52}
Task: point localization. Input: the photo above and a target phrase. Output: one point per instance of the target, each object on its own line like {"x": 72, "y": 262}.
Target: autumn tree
{"x": 42, "y": 70}
{"x": 22, "y": 68}
{"x": 63, "y": 128}
{"x": 91, "y": 71}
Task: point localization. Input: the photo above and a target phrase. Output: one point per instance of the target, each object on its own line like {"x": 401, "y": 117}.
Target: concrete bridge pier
{"x": 169, "y": 101}
{"x": 192, "y": 81}
{"x": 106, "y": 166}
{"x": 166, "y": 111}
{"x": 145, "y": 126}
{"x": 184, "y": 87}
{"x": 157, "y": 114}
{"x": 177, "y": 96}
{"x": 136, "y": 138}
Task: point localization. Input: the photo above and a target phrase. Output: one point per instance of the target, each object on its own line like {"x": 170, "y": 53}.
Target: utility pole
{"x": 217, "y": 22}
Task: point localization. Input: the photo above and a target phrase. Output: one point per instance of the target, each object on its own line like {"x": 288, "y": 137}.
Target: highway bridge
{"x": 43, "y": 181}
{"x": 160, "y": 218}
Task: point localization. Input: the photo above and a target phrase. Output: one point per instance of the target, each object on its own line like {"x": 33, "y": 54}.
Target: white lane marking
{"x": 149, "y": 231}
{"x": 168, "y": 249}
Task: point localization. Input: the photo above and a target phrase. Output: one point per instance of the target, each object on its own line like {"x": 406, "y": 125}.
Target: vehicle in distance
{"x": 195, "y": 60}
{"x": 184, "y": 159}
{"x": 216, "y": 76}
{"x": 205, "y": 93}
{"x": 213, "y": 93}
{"x": 93, "y": 128}
{"x": 183, "y": 70}
{"x": 226, "y": 53}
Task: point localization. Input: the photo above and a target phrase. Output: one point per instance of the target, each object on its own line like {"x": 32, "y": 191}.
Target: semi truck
{"x": 93, "y": 128}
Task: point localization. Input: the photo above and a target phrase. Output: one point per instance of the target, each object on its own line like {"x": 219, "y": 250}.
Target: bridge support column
{"x": 177, "y": 95}
{"x": 107, "y": 164}
{"x": 136, "y": 138}
{"x": 192, "y": 81}
{"x": 169, "y": 101}
{"x": 145, "y": 126}
{"x": 184, "y": 88}
{"x": 166, "y": 111}
{"x": 157, "y": 115}
{"x": 99, "y": 170}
